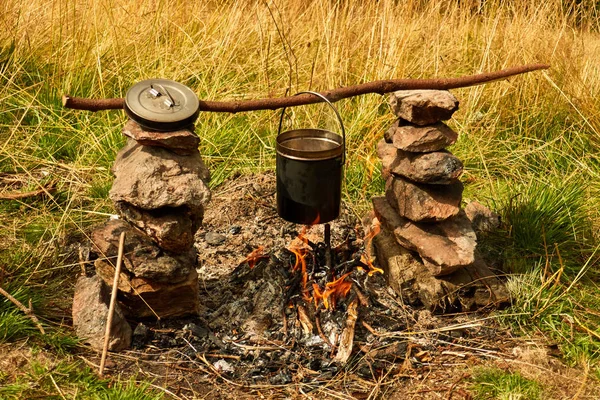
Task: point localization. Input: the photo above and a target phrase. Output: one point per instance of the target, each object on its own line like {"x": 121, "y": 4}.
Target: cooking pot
{"x": 309, "y": 171}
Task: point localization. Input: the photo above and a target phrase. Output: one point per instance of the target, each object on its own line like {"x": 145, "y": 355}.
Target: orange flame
{"x": 375, "y": 228}
{"x": 301, "y": 264}
{"x": 317, "y": 219}
{"x": 334, "y": 290}
{"x": 255, "y": 256}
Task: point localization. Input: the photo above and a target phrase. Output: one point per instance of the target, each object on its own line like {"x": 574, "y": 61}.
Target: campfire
{"x": 284, "y": 315}
{"x": 323, "y": 286}
{"x": 301, "y": 306}
{"x": 301, "y": 309}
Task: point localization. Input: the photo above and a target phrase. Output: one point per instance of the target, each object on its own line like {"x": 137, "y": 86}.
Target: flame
{"x": 301, "y": 264}
{"x": 374, "y": 229}
{"x": 334, "y": 290}
{"x": 317, "y": 219}
{"x": 255, "y": 256}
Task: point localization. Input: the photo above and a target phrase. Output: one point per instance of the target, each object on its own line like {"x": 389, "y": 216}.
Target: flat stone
{"x": 423, "y": 107}
{"x": 214, "y": 239}
{"x": 172, "y": 228}
{"x": 482, "y": 218}
{"x": 444, "y": 247}
{"x": 468, "y": 289}
{"x": 90, "y": 313}
{"x": 183, "y": 141}
{"x": 141, "y": 256}
{"x": 421, "y": 202}
{"x": 167, "y": 300}
{"x": 420, "y": 139}
{"x": 438, "y": 167}
{"x": 150, "y": 178}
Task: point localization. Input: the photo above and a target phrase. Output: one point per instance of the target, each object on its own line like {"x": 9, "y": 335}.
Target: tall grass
{"x": 530, "y": 144}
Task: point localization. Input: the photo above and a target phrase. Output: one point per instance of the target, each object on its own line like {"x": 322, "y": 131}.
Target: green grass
{"x": 565, "y": 311}
{"x": 13, "y": 323}
{"x": 501, "y": 385}
{"x": 71, "y": 380}
{"x": 544, "y": 221}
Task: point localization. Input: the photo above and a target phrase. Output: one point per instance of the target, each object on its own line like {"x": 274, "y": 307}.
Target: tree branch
{"x": 333, "y": 95}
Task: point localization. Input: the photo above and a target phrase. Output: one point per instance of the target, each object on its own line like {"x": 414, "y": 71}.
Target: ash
{"x": 271, "y": 309}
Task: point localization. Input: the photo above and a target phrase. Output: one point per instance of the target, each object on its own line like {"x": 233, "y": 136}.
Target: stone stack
{"x": 160, "y": 191}
{"x": 427, "y": 244}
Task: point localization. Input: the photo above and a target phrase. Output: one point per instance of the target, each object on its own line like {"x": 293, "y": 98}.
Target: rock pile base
{"x": 427, "y": 244}
{"x": 160, "y": 191}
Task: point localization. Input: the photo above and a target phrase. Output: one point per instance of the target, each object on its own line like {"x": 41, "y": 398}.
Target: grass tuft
{"x": 544, "y": 221}
{"x": 502, "y": 385}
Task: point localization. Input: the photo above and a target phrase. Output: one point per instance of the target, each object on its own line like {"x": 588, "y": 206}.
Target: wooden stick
{"x": 320, "y": 330}
{"x": 27, "y": 311}
{"x": 333, "y": 95}
{"x": 347, "y": 338}
{"x": 113, "y": 298}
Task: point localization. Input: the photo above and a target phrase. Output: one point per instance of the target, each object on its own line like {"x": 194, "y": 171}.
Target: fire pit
{"x": 279, "y": 316}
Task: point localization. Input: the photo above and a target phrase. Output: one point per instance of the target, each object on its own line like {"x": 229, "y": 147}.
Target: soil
{"x": 250, "y": 340}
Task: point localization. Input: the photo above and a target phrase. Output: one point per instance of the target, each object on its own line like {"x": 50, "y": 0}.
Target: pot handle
{"x": 337, "y": 114}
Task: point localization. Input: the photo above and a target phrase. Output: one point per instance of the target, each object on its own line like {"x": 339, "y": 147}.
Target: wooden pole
{"x": 113, "y": 298}
{"x": 379, "y": 87}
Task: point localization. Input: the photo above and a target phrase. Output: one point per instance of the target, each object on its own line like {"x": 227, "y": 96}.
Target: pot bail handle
{"x": 337, "y": 114}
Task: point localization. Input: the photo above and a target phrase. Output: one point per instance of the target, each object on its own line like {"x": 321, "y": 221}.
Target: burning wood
{"x": 347, "y": 338}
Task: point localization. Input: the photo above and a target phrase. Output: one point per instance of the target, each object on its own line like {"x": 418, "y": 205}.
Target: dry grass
{"x": 536, "y": 130}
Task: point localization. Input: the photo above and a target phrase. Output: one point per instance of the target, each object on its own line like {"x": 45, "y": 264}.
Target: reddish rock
{"x": 106, "y": 271}
{"x": 420, "y": 139}
{"x": 150, "y": 178}
{"x": 423, "y": 107}
{"x": 167, "y": 300}
{"x": 183, "y": 141}
{"x": 141, "y": 256}
{"x": 173, "y": 228}
{"x": 444, "y": 247}
{"x": 90, "y": 313}
{"x": 438, "y": 168}
{"x": 387, "y": 154}
{"x": 420, "y": 202}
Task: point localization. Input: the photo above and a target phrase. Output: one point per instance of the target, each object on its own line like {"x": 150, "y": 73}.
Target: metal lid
{"x": 162, "y": 105}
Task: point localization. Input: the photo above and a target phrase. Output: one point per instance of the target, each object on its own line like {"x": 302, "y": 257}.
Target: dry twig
{"x": 113, "y": 298}
{"x": 27, "y": 311}
{"x": 23, "y": 195}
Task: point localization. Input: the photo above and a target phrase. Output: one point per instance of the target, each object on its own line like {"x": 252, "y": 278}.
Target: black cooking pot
{"x": 309, "y": 170}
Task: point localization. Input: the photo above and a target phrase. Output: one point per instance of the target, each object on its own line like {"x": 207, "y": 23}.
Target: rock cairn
{"x": 160, "y": 191}
{"x": 427, "y": 243}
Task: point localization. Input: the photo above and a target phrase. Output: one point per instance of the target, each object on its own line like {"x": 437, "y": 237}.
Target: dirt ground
{"x": 399, "y": 352}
